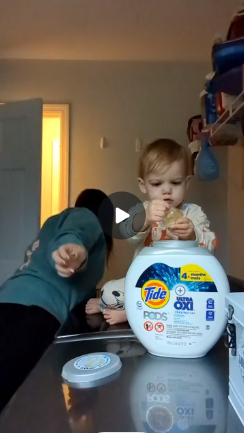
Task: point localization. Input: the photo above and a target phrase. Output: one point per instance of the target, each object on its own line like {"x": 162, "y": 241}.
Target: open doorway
{"x": 55, "y": 160}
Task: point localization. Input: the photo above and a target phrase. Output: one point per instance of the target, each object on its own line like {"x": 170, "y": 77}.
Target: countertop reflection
{"x": 79, "y": 323}
{"x": 150, "y": 394}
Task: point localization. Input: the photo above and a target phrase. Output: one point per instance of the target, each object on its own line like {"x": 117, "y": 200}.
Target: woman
{"x": 61, "y": 269}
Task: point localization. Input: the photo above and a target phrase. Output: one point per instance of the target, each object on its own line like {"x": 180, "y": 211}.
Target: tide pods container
{"x": 175, "y": 299}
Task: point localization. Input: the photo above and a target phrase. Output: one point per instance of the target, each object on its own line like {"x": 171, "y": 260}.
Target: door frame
{"x": 61, "y": 111}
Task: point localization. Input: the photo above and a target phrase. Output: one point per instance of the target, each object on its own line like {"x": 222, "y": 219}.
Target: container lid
{"x": 175, "y": 247}
{"x": 85, "y": 370}
{"x": 175, "y": 244}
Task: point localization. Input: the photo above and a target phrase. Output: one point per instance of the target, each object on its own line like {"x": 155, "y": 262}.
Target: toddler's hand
{"x": 156, "y": 211}
{"x": 68, "y": 259}
{"x": 184, "y": 229}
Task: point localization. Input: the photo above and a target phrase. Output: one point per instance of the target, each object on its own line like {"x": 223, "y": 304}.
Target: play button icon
{"x": 116, "y": 215}
{"x": 120, "y": 215}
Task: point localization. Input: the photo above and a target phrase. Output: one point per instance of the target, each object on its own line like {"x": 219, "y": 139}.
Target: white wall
{"x": 212, "y": 196}
{"x": 120, "y": 101}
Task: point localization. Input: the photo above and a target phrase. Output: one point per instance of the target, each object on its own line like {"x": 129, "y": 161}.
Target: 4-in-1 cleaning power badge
{"x": 155, "y": 294}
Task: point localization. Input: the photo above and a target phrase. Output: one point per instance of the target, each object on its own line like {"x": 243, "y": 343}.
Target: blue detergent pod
{"x": 206, "y": 165}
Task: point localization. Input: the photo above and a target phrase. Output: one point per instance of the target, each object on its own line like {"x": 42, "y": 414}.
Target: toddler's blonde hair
{"x": 161, "y": 153}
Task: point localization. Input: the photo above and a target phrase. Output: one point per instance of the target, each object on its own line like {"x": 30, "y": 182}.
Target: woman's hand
{"x": 184, "y": 229}
{"x": 68, "y": 259}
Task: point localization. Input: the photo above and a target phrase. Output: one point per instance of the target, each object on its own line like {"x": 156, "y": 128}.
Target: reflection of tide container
{"x": 182, "y": 287}
{"x": 178, "y": 395}
{"x": 208, "y": 108}
{"x": 235, "y": 306}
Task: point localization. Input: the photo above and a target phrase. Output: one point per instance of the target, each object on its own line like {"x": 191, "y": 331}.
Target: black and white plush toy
{"x": 112, "y": 295}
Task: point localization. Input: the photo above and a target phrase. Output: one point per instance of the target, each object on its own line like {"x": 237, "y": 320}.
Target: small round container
{"x": 91, "y": 370}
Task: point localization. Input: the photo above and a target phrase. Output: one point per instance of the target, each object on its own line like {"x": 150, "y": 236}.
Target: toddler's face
{"x": 169, "y": 185}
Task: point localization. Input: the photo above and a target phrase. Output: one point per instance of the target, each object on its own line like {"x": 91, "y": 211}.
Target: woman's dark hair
{"x": 92, "y": 200}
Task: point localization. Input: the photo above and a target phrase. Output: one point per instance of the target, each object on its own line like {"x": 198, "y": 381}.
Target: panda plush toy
{"x": 112, "y": 297}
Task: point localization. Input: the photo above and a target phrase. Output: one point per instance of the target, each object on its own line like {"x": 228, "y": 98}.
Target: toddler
{"x": 164, "y": 175}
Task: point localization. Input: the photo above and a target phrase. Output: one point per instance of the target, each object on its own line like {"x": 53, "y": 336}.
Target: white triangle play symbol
{"x": 120, "y": 215}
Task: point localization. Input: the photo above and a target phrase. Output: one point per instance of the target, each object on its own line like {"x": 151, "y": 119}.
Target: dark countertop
{"x": 194, "y": 394}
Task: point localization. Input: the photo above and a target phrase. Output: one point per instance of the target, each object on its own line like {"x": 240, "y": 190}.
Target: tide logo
{"x": 155, "y": 294}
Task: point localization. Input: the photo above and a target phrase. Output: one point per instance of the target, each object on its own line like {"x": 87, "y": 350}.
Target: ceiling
{"x": 139, "y": 30}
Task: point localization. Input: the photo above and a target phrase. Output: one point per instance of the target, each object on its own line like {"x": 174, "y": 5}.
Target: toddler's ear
{"x": 142, "y": 185}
